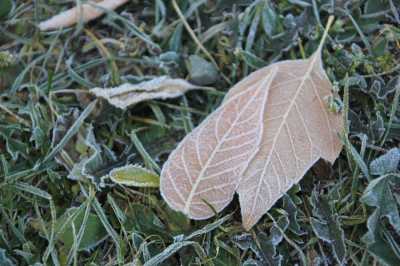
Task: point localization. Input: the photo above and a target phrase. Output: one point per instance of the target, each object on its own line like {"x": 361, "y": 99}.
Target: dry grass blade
{"x": 85, "y": 12}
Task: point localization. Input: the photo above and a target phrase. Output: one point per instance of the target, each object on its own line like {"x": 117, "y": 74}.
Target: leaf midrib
{"x": 284, "y": 118}
{"x": 200, "y": 177}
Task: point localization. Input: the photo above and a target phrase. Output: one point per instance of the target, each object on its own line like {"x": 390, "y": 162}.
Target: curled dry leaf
{"x": 270, "y": 129}
{"x": 158, "y": 88}
{"x": 85, "y": 12}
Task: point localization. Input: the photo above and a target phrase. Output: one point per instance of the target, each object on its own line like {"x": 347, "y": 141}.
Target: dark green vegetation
{"x": 345, "y": 213}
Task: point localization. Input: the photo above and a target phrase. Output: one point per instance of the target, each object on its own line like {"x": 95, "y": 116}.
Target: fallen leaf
{"x": 134, "y": 175}
{"x": 158, "y": 88}
{"x": 82, "y": 156}
{"x": 85, "y": 12}
{"x": 270, "y": 129}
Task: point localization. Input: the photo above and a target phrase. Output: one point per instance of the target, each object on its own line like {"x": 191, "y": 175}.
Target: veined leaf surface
{"x": 298, "y": 130}
{"x": 270, "y": 129}
{"x": 205, "y": 168}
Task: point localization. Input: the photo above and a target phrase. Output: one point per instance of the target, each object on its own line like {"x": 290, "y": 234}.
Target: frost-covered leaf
{"x": 244, "y": 241}
{"x": 292, "y": 211}
{"x": 269, "y": 243}
{"x": 326, "y": 225}
{"x": 379, "y": 194}
{"x": 378, "y": 241}
{"x": 134, "y": 175}
{"x": 129, "y": 94}
{"x": 377, "y": 127}
{"x": 85, "y": 12}
{"x": 264, "y": 245}
{"x": 14, "y": 146}
{"x": 181, "y": 241}
{"x": 270, "y": 129}
{"x": 83, "y": 157}
{"x": 269, "y": 19}
{"x": 40, "y": 123}
{"x": 387, "y": 163}
{"x": 94, "y": 231}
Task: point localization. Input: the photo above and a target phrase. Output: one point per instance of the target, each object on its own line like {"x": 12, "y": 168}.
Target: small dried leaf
{"x": 270, "y": 129}
{"x": 85, "y": 13}
{"x": 135, "y": 175}
{"x": 130, "y": 94}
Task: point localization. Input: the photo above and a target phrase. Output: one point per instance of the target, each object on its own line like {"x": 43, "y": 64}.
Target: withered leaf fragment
{"x": 159, "y": 88}
{"x": 86, "y": 12}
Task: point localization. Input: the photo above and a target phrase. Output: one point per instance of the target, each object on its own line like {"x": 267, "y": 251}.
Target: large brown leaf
{"x": 271, "y": 128}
